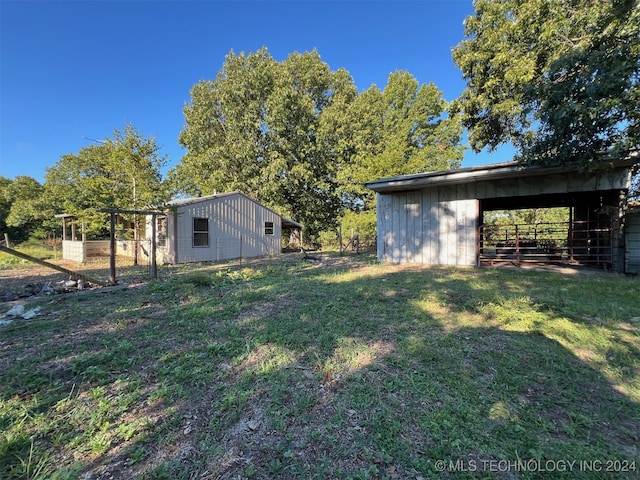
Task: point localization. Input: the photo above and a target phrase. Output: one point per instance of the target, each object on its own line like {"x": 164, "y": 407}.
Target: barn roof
{"x": 496, "y": 171}
{"x": 180, "y": 202}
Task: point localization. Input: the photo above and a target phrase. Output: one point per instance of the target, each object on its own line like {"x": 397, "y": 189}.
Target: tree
{"x": 258, "y": 128}
{"x": 557, "y": 78}
{"x": 135, "y": 162}
{"x": 402, "y": 129}
{"x": 123, "y": 172}
{"x": 22, "y": 196}
{"x": 5, "y": 205}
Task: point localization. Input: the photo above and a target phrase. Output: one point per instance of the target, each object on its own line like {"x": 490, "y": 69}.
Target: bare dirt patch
{"x": 27, "y": 281}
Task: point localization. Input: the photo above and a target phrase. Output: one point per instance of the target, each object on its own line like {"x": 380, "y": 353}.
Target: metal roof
{"x": 180, "y": 202}
{"x": 191, "y": 200}
{"x": 496, "y": 171}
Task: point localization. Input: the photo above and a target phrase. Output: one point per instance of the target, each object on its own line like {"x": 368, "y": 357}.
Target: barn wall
{"x": 429, "y": 226}
{"x": 632, "y": 242}
{"x": 438, "y": 225}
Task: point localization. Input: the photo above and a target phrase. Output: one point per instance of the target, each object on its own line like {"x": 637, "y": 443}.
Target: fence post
{"x": 570, "y": 234}
{"x": 112, "y": 250}
{"x": 154, "y": 264}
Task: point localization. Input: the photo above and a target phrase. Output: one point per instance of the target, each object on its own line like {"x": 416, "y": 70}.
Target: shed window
{"x": 161, "y": 231}
{"x": 200, "y": 232}
{"x": 268, "y": 228}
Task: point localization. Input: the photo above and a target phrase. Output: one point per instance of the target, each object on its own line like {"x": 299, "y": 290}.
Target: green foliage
{"x": 123, "y": 172}
{"x": 402, "y": 129}
{"x": 298, "y": 136}
{"x": 255, "y": 128}
{"x": 362, "y": 224}
{"x": 531, "y": 216}
{"x": 22, "y": 211}
{"x": 558, "y": 79}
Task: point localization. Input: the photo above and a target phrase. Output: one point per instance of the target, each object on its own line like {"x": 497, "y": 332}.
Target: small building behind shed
{"x": 218, "y": 227}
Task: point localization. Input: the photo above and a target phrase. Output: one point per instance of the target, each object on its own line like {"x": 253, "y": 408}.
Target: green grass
{"x": 348, "y": 369}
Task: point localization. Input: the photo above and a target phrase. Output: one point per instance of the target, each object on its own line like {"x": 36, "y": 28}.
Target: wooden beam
{"x": 73, "y": 274}
{"x": 112, "y": 250}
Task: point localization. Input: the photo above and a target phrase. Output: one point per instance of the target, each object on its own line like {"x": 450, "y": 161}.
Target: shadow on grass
{"x": 318, "y": 372}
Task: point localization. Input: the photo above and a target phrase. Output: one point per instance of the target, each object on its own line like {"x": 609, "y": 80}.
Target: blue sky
{"x": 71, "y": 69}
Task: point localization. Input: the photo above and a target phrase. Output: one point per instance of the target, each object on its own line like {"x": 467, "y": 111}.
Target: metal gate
{"x": 563, "y": 242}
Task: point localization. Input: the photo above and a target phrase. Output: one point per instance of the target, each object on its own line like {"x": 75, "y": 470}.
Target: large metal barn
{"x": 436, "y": 218}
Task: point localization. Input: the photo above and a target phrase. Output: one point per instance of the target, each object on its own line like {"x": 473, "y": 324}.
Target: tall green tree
{"x": 122, "y": 172}
{"x": 257, "y": 128}
{"x": 557, "y": 78}
{"x": 402, "y": 129}
{"x": 5, "y": 204}
{"x": 21, "y": 213}
{"x": 134, "y": 163}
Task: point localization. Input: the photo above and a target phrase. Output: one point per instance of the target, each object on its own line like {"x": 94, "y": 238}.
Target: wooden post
{"x": 154, "y": 264}
{"x": 53, "y": 266}
{"x": 6, "y": 240}
{"x": 112, "y": 250}
{"x": 571, "y": 234}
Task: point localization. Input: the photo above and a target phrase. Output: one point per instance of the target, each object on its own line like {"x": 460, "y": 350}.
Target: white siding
{"x": 632, "y": 243}
{"x": 427, "y": 226}
{"x": 413, "y": 215}
{"x": 236, "y": 229}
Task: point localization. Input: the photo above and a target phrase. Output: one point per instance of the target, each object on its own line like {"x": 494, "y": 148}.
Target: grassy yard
{"x": 342, "y": 369}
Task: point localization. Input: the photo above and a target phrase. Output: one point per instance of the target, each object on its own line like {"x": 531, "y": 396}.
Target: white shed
{"x": 218, "y": 227}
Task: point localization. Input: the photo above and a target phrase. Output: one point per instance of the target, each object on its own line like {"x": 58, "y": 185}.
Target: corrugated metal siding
{"x": 437, "y": 225}
{"x": 236, "y": 228}
{"x": 632, "y": 242}
{"x": 427, "y": 226}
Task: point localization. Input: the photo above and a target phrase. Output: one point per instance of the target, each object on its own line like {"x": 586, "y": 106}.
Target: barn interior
{"x": 577, "y": 228}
